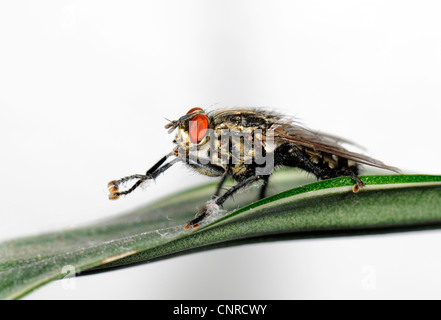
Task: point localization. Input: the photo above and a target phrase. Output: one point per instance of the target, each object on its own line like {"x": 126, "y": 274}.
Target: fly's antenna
{"x": 172, "y": 125}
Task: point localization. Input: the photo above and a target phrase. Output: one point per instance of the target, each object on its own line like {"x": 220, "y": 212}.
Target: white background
{"x": 85, "y": 87}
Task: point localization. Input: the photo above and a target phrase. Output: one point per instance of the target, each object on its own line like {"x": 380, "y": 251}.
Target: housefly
{"x": 247, "y": 145}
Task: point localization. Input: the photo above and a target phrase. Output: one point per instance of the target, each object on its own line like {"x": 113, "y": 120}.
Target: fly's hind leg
{"x": 264, "y": 187}
{"x": 358, "y": 183}
{"x": 325, "y": 173}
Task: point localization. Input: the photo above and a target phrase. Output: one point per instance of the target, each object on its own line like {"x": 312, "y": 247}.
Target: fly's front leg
{"x": 152, "y": 173}
{"x": 215, "y": 204}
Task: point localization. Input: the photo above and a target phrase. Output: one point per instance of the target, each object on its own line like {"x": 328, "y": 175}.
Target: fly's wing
{"x": 324, "y": 143}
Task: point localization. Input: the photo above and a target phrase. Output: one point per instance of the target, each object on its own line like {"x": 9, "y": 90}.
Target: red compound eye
{"x": 194, "y": 110}
{"x": 198, "y": 128}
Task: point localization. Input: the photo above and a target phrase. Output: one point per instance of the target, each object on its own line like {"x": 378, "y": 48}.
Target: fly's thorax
{"x": 236, "y": 144}
{"x": 227, "y": 145}
{"x": 227, "y": 139}
{"x": 244, "y": 117}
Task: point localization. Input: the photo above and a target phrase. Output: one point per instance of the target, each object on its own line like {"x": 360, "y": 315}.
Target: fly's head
{"x": 192, "y": 132}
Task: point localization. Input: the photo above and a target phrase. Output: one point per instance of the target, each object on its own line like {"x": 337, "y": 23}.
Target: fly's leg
{"x": 358, "y": 183}
{"x": 114, "y": 185}
{"x": 327, "y": 174}
{"x": 220, "y": 185}
{"x": 220, "y": 201}
{"x": 264, "y": 187}
{"x": 311, "y": 167}
{"x": 152, "y": 173}
{"x": 210, "y": 206}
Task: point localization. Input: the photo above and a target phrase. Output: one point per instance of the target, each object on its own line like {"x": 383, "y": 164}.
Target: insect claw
{"x": 112, "y": 183}
{"x": 113, "y": 189}
{"x": 191, "y": 226}
{"x": 357, "y": 186}
{"x": 196, "y": 221}
{"x": 113, "y": 196}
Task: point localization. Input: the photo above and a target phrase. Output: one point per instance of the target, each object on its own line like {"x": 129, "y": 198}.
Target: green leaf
{"x": 326, "y": 208}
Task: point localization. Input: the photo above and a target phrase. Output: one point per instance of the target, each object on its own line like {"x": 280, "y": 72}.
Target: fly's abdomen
{"x": 323, "y": 165}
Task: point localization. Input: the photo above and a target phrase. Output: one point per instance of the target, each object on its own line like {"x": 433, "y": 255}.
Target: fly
{"x": 247, "y": 145}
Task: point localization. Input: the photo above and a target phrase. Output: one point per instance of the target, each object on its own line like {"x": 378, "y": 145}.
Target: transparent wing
{"x": 324, "y": 143}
